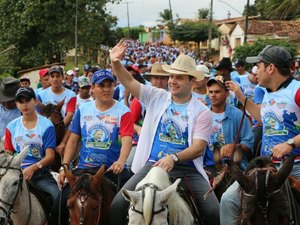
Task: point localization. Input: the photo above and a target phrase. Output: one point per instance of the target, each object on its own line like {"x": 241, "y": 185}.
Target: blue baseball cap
{"x": 100, "y": 75}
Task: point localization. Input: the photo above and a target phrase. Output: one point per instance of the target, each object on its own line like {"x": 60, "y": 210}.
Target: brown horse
{"x": 263, "y": 199}
{"x": 53, "y": 113}
{"x": 90, "y": 198}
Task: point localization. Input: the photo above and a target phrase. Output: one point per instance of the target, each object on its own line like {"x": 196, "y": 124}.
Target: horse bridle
{"x": 83, "y": 198}
{"x": 20, "y": 181}
{"x": 153, "y": 213}
{"x": 61, "y": 122}
{"x": 263, "y": 208}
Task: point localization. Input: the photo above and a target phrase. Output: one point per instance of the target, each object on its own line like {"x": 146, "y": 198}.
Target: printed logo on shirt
{"x": 88, "y": 118}
{"x": 30, "y": 136}
{"x": 171, "y": 133}
{"x": 273, "y": 126}
{"x": 98, "y": 137}
{"x": 35, "y": 150}
{"x": 108, "y": 119}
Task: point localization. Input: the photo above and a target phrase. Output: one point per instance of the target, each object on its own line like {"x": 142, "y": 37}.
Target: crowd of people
{"x": 155, "y": 105}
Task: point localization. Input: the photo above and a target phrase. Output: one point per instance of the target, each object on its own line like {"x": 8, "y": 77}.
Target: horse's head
{"x": 11, "y": 179}
{"x": 261, "y": 187}
{"x": 53, "y": 112}
{"x": 148, "y": 204}
{"x": 85, "y": 200}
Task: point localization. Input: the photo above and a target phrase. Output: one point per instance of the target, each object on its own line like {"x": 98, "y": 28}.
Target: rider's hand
{"x": 29, "y": 171}
{"x": 281, "y": 150}
{"x": 167, "y": 163}
{"x": 117, "y": 167}
{"x": 116, "y": 53}
{"x": 60, "y": 148}
{"x": 61, "y": 179}
{"x": 226, "y": 150}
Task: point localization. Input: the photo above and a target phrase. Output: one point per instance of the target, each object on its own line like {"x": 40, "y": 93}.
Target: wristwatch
{"x": 175, "y": 158}
{"x": 39, "y": 165}
{"x": 291, "y": 142}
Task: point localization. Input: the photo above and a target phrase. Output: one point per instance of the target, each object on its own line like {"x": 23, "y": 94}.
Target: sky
{"x": 146, "y": 12}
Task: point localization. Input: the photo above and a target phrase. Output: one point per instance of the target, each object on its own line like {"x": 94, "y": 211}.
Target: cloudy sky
{"x": 146, "y": 12}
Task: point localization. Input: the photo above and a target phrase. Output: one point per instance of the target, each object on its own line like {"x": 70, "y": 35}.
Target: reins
{"x": 220, "y": 177}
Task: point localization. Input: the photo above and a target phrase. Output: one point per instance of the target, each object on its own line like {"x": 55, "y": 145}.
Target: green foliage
{"x": 252, "y": 11}
{"x": 244, "y": 51}
{"x": 203, "y": 13}
{"x": 134, "y": 32}
{"x": 43, "y": 31}
{"x": 192, "y": 31}
{"x": 278, "y": 9}
{"x": 165, "y": 16}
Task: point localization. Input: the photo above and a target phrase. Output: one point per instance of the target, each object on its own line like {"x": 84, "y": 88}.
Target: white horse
{"x": 155, "y": 200}
{"x": 17, "y": 205}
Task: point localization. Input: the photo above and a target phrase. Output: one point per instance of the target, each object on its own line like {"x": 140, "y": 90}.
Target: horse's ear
{"x": 284, "y": 171}
{"x": 97, "y": 178}
{"x": 131, "y": 196}
{"x": 21, "y": 156}
{"x": 60, "y": 104}
{"x": 165, "y": 194}
{"x": 40, "y": 105}
{"x": 72, "y": 179}
{"x": 237, "y": 174}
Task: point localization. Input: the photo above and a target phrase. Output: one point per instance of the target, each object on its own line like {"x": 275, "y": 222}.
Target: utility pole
{"x": 128, "y": 24}
{"x": 210, "y": 30}
{"x": 246, "y": 22}
{"x": 171, "y": 13}
{"x": 76, "y": 32}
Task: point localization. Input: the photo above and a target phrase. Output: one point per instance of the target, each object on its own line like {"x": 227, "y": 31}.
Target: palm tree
{"x": 165, "y": 16}
{"x": 203, "y": 13}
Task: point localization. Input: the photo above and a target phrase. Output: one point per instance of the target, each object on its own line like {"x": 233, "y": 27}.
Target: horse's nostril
{"x": 2, "y": 221}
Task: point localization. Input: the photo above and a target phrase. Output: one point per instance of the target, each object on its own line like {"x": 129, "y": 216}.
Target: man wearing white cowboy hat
{"x": 157, "y": 76}
{"x": 8, "y": 108}
{"x": 175, "y": 133}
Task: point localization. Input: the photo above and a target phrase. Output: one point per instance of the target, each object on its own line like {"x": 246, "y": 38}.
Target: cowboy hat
{"x": 184, "y": 65}
{"x": 8, "y": 89}
{"x": 156, "y": 70}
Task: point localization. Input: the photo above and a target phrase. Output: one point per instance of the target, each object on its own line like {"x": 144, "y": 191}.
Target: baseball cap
{"x": 217, "y": 80}
{"x": 100, "y": 75}
{"x": 240, "y": 62}
{"x": 276, "y": 55}
{"x": 83, "y": 82}
{"x": 56, "y": 69}
{"x": 76, "y": 68}
{"x": 70, "y": 72}
{"x": 225, "y": 63}
{"x": 203, "y": 69}
{"x": 43, "y": 72}
{"x": 25, "y": 92}
{"x": 25, "y": 78}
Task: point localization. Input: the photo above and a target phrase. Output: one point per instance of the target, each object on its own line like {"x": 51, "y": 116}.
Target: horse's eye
{"x": 16, "y": 182}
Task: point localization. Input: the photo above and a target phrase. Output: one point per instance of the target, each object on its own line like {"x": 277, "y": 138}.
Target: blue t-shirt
{"x": 99, "y": 133}
{"x": 38, "y": 139}
{"x": 172, "y": 133}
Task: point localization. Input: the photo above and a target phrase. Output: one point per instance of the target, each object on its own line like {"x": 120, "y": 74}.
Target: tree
{"x": 165, "y": 16}
{"x": 243, "y": 51}
{"x": 278, "y": 9}
{"x": 192, "y": 31}
{"x": 203, "y": 13}
{"x": 43, "y": 31}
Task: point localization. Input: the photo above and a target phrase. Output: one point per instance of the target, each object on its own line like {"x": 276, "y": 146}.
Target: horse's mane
{"x": 259, "y": 162}
{"x": 83, "y": 182}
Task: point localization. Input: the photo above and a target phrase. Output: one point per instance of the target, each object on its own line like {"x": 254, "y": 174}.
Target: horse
{"x": 263, "y": 199}
{"x": 90, "y": 198}
{"x": 53, "y": 113}
{"x": 18, "y": 205}
{"x": 156, "y": 201}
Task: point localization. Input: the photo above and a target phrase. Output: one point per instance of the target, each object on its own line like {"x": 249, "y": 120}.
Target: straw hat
{"x": 156, "y": 70}
{"x": 184, "y": 65}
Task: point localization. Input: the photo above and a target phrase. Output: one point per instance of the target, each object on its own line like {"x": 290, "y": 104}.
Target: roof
{"x": 289, "y": 28}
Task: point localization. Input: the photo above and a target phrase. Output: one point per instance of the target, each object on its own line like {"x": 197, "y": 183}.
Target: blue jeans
{"x": 44, "y": 181}
{"x": 230, "y": 205}
{"x": 209, "y": 208}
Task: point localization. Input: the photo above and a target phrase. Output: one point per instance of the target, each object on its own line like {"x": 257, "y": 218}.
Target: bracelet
{"x": 61, "y": 169}
{"x": 66, "y": 164}
{"x": 245, "y": 102}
